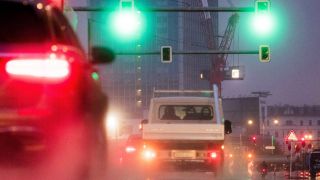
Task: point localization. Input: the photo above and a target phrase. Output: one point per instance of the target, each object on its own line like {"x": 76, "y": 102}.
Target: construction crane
{"x": 220, "y": 61}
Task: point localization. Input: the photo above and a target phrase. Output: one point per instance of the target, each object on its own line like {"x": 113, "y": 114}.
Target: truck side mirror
{"x": 144, "y": 121}
{"x": 227, "y": 127}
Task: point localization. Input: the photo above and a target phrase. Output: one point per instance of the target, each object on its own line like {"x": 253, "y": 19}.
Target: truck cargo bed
{"x": 183, "y": 132}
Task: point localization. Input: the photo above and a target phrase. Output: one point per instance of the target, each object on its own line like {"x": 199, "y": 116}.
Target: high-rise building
{"x": 130, "y": 80}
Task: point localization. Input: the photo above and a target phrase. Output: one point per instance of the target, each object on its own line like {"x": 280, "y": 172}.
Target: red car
{"x": 51, "y": 104}
{"x": 131, "y": 154}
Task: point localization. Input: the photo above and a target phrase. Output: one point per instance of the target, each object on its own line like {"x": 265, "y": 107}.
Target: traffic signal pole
{"x": 172, "y": 9}
{"x": 205, "y": 52}
{"x": 216, "y": 81}
{"x": 290, "y": 170}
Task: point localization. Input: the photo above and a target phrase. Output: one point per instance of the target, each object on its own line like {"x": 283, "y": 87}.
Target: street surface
{"x": 236, "y": 168}
{"x": 193, "y": 175}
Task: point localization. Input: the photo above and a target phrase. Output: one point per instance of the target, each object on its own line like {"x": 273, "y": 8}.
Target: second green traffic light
{"x": 264, "y": 53}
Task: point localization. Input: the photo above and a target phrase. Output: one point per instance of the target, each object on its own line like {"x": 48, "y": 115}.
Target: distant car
{"x": 51, "y": 103}
{"x": 131, "y": 153}
{"x": 313, "y": 163}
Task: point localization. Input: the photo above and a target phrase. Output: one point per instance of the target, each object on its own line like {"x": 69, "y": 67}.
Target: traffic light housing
{"x": 264, "y": 53}
{"x": 126, "y": 5}
{"x": 166, "y": 54}
{"x": 262, "y": 6}
{"x": 263, "y": 21}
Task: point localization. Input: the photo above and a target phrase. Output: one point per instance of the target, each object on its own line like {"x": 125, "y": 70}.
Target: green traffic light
{"x": 262, "y": 6}
{"x": 263, "y": 24}
{"x": 263, "y": 21}
{"x": 264, "y": 53}
{"x": 126, "y": 23}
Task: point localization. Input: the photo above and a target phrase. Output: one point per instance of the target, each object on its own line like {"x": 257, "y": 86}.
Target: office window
{"x": 310, "y": 122}
{"x": 301, "y": 123}
{"x": 318, "y": 122}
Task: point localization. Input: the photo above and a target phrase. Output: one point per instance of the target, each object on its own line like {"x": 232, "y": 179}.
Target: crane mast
{"x": 219, "y": 61}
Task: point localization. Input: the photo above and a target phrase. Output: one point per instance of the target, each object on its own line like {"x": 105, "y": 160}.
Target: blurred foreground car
{"x": 51, "y": 104}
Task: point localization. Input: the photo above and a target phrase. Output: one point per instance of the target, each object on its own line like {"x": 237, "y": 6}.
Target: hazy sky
{"x": 293, "y": 75}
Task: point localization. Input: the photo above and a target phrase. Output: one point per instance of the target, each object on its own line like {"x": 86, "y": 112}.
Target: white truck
{"x": 185, "y": 130}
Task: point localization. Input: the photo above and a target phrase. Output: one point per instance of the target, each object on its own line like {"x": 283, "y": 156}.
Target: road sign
{"x": 270, "y": 147}
{"x": 292, "y": 136}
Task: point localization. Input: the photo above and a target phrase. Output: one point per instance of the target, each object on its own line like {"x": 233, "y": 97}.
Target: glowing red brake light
{"x": 130, "y": 149}
{"x": 213, "y": 155}
{"x": 149, "y": 154}
{"x": 38, "y": 68}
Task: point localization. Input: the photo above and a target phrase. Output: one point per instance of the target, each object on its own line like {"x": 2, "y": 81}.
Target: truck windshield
{"x": 186, "y": 112}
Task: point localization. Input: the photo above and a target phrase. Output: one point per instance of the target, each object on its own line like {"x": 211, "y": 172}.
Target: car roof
{"x": 36, "y": 25}
{"x": 26, "y": 24}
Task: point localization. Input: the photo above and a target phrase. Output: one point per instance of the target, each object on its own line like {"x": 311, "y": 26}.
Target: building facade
{"x": 247, "y": 114}
{"x": 303, "y": 120}
{"x": 130, "y": 80}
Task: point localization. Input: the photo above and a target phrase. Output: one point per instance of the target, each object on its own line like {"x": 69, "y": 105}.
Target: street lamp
{"x": 250, "y": 122}
{"x": 276, "y": 121}
{"x": 112, "y": 124}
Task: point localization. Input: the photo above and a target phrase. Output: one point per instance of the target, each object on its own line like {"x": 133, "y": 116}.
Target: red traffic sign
{"x": 292, "y": 136}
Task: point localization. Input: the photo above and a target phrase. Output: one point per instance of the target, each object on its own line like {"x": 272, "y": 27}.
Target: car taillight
{"x": 50, "y": 68}
{"x": 130, "y": 149}
{"x": 149, "y": 154}
{"x": 213, "y": 155}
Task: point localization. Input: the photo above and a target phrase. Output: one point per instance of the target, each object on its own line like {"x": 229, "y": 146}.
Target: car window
{"x": 22, "y": 24}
